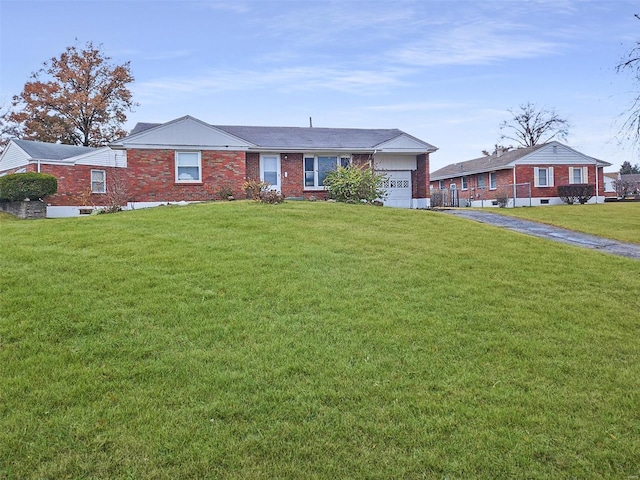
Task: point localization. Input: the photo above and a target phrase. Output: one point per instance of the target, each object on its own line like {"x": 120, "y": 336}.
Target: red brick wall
{"x": 151, "y": 176}
{"x": 292, "y": 170}
{"x": 420, "y": 177}
{"x": 74, "y": 184}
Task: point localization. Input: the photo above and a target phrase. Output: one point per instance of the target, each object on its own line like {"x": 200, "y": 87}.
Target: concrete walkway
{"x": 549, "y": 232}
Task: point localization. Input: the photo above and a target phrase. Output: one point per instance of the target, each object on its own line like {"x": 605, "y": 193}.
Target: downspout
{"x": 514, "y": 186}
{"x": 38, "y": 165}
{"x": 597, "y": 185}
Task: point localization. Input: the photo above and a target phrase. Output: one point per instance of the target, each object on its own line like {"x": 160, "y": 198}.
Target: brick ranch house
{"x": 524, "y": 176}
{"x": 189, "y": 160}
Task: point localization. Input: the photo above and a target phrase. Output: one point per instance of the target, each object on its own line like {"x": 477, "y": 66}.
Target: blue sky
{"x": 443, "y": 71}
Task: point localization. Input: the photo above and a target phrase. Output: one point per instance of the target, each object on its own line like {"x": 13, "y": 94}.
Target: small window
{"x": 493, "y": 181}
{"x": 577, "y": 175}
{"x": 544, "y": 201}
{"x": 441, "y": 184}
{"x": 98, "y": 181}
{"x": 543, "y": 179}
{"x": 481, "y": 179}
{"x": 465, "y": 183}
{"x": 188, "y": 166}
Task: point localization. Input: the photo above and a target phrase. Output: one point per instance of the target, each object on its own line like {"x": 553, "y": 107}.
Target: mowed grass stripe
{"x": 312, "y": 340}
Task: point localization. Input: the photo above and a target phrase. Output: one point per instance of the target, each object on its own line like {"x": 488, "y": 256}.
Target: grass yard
{"x": 312, "y": 340}
{"x": 619, "y": 221}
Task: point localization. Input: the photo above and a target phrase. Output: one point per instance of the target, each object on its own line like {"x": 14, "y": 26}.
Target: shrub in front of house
{"x": 355, "y": 184}
{"x": 576, "y": 193}
{"x": 20, "y": 186}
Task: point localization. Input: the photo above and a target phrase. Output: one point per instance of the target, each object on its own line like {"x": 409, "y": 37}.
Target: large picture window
{"x": 98, "y": 181}
{"x": 188, "y": 167}
{"x": 316, "y": 168}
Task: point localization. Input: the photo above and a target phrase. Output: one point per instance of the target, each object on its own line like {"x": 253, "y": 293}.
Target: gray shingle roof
{"x": 51, "y": 151}
{"x": 305, "y": 137}
{"x": 482, "y": 164}
{"x": 631, "y": 177}
{"x": 313, "y": 138}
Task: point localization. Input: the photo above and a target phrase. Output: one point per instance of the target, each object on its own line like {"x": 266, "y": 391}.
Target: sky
{"x": 447, "y": 72}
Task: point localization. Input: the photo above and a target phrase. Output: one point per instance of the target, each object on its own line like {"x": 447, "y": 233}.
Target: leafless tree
{"x": 531, "y": 125}
{"x": 631, "y": 63}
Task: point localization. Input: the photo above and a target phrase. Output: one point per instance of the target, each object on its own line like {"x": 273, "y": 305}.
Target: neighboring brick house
{"x": 189, "y": 160}
{"x": 520, "y": 177}
{"x": 82, "y": 172}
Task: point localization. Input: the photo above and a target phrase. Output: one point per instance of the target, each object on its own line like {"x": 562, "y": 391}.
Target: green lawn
{"x": 312, "y": 340}
{"x": 619, "y": 221}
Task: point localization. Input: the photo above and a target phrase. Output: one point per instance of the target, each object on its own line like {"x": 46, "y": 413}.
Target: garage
{"x": 398, "y": 187}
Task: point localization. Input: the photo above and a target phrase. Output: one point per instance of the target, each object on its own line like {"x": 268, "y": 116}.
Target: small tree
{"x": 355, "y": 184}
{"x": 77, "y": 98}
{"x": 624, "y": 187}
{"x": 531, "y": 125}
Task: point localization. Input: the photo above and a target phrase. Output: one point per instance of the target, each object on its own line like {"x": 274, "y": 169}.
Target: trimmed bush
{"x": 576, "y": 193}
{"x": 34, "y": 186}
{"x": 355, "y": 184}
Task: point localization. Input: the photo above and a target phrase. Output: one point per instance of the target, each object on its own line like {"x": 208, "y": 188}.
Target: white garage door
{"x": 398, "y": 187}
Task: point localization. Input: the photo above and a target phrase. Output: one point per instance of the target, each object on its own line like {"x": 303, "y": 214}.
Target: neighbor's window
{"x": 465, "y": 183}
{"x": 481, "y": 180}
{"x": 317, "y": 167}
{"x": 577, "y": 175}
{"x": 543, "y": 177}
{"x": 188, "y": 167}
{"x": 493, "y": 180}
{"x": 98, "y": 181}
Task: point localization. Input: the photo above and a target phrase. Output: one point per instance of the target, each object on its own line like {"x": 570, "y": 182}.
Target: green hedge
{"x": 34, "y": 186}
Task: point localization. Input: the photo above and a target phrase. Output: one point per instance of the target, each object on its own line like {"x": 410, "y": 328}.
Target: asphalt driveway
{"x": 549, "y": 232}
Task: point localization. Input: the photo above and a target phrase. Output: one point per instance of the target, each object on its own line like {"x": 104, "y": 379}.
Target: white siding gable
{"x": 13, "y": 157}
{"x": 555, "y": 154}
{"x": 405, "y": 144}
{"x": 395, "y": 162}
{"x": 186, "y": 132}
{"x": 103, "y": 157}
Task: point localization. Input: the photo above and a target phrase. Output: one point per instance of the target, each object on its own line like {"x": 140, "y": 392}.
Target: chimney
{"x": 499, "y": 151}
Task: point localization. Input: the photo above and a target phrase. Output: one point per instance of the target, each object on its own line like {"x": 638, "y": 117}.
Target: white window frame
{"x": 493, "y": 180}
{"x": 103, "y": 181}
{"x": 584, "y": 175}
{"x": 478, "y": 178}
{"x": 341, "y": 160}
{"x": 464, "y": 182}
{"x": 177, "y": 166}
{"x": 440, "y": 184}
{"x": 536, "y": 177}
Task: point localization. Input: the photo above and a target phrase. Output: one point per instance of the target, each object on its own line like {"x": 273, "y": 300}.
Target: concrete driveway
{"x": 549, "y": 232}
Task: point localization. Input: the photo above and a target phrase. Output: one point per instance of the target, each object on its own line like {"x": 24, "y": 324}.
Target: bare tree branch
{"x": 531, "y": 125}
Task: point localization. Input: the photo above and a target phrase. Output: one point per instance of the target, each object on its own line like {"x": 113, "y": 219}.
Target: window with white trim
{"x": 577, "y": 174}
{"x": 98, "y": 181}
{"x": 480, "y": 180}
{"x": 188, "y": 167}
{"x": 543, "y": 177}
{"x": 316, "y": 168}
{"x": 493, "y": 180}
{"x": 465, "y": 183}
{"x": 441, "y": 184}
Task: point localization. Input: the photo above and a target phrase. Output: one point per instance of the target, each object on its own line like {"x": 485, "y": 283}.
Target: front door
{"x": 270, "y": 171}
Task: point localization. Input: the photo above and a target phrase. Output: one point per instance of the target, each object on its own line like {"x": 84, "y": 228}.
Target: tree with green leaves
{"x": 78, "y": 98}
